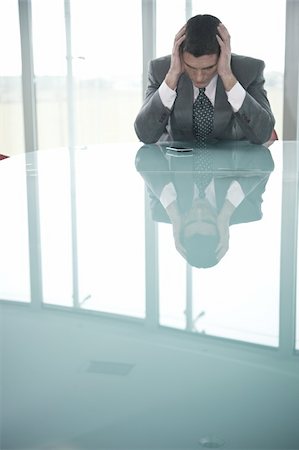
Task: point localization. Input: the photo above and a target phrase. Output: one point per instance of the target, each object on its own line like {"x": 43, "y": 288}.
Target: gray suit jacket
{"x": 254, "y": 121}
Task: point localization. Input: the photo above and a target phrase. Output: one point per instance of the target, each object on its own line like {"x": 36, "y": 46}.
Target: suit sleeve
{"x": 255, "y": 117}
{"x": 153, "y": 117}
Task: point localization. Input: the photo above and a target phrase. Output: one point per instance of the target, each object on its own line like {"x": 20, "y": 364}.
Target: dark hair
{"x": 201, "y": 250}
{"x": 201, "y": 33}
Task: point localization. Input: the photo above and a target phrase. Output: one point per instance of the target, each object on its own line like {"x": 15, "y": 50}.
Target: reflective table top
{"x": 154, "y": 287}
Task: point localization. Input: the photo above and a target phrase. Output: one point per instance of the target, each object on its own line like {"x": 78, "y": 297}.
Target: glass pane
{"x": 11, "y": 107}
{"x": 14, "y": 254}
{"x": 250, "y": 37}
{"x": 172, "y": 296}
{"x": 108, "y": 77}
{"x": 297, "y": 323}
{"x": 55, "y": 226}
{"x": 110, "y": 232}
{"x": 49, "y": 51}
{"x": 297, "y": 290}
{"x": 166, "y": 34}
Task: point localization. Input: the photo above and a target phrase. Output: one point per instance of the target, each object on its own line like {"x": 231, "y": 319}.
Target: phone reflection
{"x": 201, "y": 193}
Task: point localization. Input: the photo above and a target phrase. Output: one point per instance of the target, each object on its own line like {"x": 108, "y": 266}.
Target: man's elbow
{"x": 266, "y": 132}
{"x": 261, "y": 139}
{"x": 143, "y": 135}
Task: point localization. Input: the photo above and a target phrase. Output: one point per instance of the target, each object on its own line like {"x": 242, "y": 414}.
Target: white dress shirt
{"x": 235, "y": 96}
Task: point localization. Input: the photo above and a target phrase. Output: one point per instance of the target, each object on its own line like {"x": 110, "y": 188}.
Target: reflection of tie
{"x": 203, "y": 166}
{"x": 203, "y": 114}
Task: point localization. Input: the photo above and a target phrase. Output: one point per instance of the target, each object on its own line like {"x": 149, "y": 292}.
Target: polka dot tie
{"x": 203, "y": 115}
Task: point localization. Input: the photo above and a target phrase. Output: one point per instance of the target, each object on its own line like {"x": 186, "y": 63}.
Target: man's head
{"x": 200, "y": 49}
{"x": 201, "y": 33}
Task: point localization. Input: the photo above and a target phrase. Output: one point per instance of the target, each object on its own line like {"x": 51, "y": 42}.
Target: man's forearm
{"x": 172, "y": 80}
{"x": 229, "y": 81}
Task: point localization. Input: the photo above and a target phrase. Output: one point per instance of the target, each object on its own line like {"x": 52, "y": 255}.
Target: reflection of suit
{"x": 254, "y": 121}
{"x": 249, "y": 165}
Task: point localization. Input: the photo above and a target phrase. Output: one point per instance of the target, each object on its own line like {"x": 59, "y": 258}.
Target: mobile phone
{"x": 179, "y": 149}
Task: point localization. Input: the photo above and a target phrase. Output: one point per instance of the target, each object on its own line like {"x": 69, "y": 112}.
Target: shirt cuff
{"x": 235, "y": 194}
{"x": 236, "y": 96}
{"x": 167, "y": 95}
{"x": 168, "y": 195}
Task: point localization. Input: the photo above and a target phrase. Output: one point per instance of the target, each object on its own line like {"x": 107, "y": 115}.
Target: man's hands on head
{"x": 177, "y": 223}
{"x": 176, "y": 66}
{"x": 224, "y": 61}
{"x": 223, "y": 221}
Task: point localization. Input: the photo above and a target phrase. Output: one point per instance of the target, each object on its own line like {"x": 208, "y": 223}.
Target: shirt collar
{"x": 210, "y": 90}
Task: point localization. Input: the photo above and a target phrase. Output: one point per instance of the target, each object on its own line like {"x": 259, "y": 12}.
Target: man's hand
{"x": 177, "y": 222}
{"x": 176, "y": 66}
{"x": 224, "y": 66}
{"x": 177, "y": 228}
{"x": 223, "y": 232}
{"x": 223, "y": 221}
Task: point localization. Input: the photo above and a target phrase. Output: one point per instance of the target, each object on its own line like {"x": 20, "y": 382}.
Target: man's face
{"x": 200, "y": 69}
{"x": 201, "y": 219}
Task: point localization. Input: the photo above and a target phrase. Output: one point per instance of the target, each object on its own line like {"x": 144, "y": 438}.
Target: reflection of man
{"x": 232, "y": 193}
{"x": 201, "y": 67}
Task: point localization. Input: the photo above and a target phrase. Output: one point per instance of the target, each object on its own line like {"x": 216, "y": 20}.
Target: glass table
{"x": 148, "y": 297}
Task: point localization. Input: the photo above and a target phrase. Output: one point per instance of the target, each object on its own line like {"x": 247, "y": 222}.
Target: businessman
{"x": 204, "y": 92}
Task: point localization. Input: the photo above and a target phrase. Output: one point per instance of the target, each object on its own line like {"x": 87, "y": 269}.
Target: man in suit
{"x": 201, "y": 62}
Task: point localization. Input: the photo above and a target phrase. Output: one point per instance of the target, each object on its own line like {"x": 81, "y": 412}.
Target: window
{"x": 11, "y": 108}
{"x": 107, "y": 65}
{"x": 50, "y": 69}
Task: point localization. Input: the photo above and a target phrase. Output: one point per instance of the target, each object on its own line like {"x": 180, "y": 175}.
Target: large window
{"x": 106, "y": 63}
{"x": 11, "y": 109}
{"x": 107, "y": 50}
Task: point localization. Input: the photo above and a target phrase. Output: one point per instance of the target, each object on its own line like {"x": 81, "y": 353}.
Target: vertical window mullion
{"x": 30, "y": 129}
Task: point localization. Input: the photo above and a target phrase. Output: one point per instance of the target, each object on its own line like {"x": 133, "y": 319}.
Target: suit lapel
{"x": 181, "y": 120}
{"x": 222, "y": 110}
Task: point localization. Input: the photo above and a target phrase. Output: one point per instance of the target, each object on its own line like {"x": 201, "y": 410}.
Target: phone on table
{"x": 179, "y": 149}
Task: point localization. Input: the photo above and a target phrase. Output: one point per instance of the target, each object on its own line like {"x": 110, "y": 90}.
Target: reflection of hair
{"x": 200, "y": 250}
{"x": 201, "y": 33}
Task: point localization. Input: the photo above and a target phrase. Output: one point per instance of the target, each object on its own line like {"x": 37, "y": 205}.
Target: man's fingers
{"x": 178, "y": 42}
{"x": 224, "y": 34}
{"x": 180, "y": 248}
{"x": 220, "y": 41}
{"x": 180, "y": 32}
{"x": 221, "y": 251}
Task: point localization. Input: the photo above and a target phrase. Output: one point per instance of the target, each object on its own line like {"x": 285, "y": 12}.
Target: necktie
{"x": 203, "y": 114}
